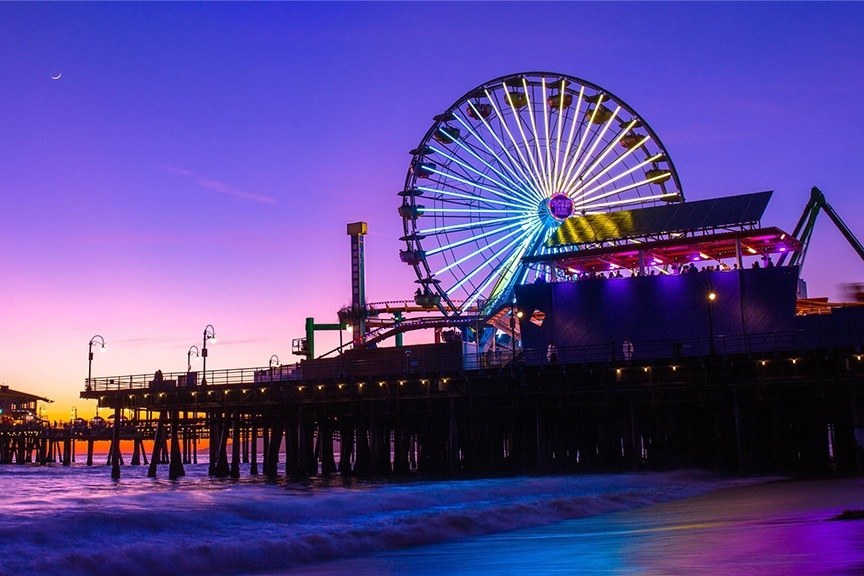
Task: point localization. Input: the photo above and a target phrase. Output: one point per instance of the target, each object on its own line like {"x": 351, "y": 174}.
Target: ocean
{"x": 76, "y": 520}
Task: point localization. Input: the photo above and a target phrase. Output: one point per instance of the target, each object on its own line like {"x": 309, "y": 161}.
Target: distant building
{"x": 19, "y": 407}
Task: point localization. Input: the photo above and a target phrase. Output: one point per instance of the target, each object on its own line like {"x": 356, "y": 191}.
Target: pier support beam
{"x": 175, "y": 468}
{"x": 157, "y": 445}
{"x": 115, "y": 443}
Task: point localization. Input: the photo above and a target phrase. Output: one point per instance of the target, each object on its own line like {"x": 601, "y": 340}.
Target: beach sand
{"x": 773, "y": 528}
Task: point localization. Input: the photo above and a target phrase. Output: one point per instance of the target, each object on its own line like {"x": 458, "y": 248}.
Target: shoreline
{"x": 777, "y": 527}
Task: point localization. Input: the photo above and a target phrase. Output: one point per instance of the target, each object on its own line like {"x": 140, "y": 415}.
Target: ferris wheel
{"x": 504, "y": 166}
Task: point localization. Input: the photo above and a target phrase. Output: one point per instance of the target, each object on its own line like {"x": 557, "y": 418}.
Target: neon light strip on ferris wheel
{"x": 523, "y": 178}
{"x": 538, "y": 163}
{"x": 548, "y": 147}
{"x": 618, "y": 177}
{"x": 585, "y": 132}
{"x": 476, "y": 252}
{"x": 513, "y": 272}
{"x": 451, "y": 176}
{"x": 514, "y": 163}
{"x": 574, "y": 122}
{"x": 470, "y": 239}
{"x": 515, "y": 187}
{"x": 595, "y": 141}
{"x": 484, "y": 176}
{"x": 488, "y": 262}
{"x": 600, "y": 157}
{"x": 518, "y": 120}
{"x": 467, "y": 225}
{"x": 583, "y": 184}
{"x": 628, "y": 187}
{"x": 469, "y": 196}
{"x": 581, "y": 187}
{"x": 523, "y": 164}
{"x": 640, "y": 200}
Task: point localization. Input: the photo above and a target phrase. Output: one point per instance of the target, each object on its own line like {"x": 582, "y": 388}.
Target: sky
{"x": 197, "y": 163}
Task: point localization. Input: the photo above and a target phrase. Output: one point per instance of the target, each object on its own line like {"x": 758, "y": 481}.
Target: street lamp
{"x": 712, "y": 297}
{"x": 192, "y": 349}
{"x": 209, "y": 334}
{"x": 97, "y": 339}
{"x": 514, "y": 313}
{"x": 274, "y": 361}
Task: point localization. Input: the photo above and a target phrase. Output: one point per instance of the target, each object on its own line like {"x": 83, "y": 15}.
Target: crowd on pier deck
{"x": 673, "y": 269}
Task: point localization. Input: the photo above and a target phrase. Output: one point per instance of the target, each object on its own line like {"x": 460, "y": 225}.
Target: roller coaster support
{"x": 306, "y": 346}
{"x": 804, "y": 228}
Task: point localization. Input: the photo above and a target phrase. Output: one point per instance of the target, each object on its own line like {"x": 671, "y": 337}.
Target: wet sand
{"x": 774, "y": 528}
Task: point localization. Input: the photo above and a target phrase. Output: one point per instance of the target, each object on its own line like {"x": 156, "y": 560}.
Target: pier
{"x": 792, "y": 411}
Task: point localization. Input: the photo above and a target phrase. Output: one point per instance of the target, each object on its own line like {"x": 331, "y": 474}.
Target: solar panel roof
{"x": 730, "y": 211}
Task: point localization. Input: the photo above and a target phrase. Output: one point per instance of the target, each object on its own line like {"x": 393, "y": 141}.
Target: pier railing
{"x": 787, "y": 343}
{"x": 238, "y": 376}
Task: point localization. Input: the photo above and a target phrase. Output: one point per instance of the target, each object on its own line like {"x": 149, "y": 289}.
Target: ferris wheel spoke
{"x": 593, "y": 208}
{"x": 477, "y": 252}
{"x": 512, "y": 271}
{"x": 628, "y": 187}
{"x": 579, "y": 190}
{"x": 467, "y": 181}
{"x": 523, "y": 165}
{"x": 513, "y": 165}
{"x": 488, "y": 263}
{"x": 468, "y": 226}
{"x": 471, "y": 197}
{"x": 519, "y": 120}
{"x": 595, "y": 141}
{"x": 576, "y": 121}
{"x": 586, "y": 131}
{"x": 502, "y": 187}
{"x": 614, "y": 163}
{"x": 538, "y": 158}
{"x": 515, "y": 187}
{"x": 558, "y": 128}
{"x": 609, "y": 147}
{"x": 470, "y": 239}
{"x": 581, "y": 193}
{"x": 546, "y": 113}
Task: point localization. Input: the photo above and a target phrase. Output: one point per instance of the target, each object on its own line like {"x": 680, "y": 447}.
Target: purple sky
{"x": 197, "y": 163}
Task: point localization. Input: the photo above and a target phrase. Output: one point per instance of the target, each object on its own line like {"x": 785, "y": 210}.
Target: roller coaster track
{"x": 390, "y": 329}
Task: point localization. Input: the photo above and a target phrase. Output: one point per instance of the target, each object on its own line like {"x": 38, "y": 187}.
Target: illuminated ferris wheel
{"x": 504, "y": 166}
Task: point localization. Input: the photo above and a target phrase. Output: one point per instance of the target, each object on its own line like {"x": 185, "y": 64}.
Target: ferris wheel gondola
{"x": 504, "y": 166}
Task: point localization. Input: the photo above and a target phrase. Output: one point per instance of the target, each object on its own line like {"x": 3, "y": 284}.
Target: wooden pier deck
{"x": 789, "y": 411}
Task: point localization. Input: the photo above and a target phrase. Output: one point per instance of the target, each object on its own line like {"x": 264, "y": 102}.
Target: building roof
{"x": 7, "y": 393}
{"x": 682, "y": 249}
{"x": 731, "y": 212}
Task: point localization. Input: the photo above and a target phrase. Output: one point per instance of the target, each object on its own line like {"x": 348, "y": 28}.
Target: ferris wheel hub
{"x": 560, "y": 206}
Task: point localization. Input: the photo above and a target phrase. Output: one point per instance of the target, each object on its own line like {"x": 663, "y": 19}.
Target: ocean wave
{"x": 205, "y": 526}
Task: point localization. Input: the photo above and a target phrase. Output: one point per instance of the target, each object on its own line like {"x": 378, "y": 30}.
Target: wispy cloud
{"x": 217, "y": 185}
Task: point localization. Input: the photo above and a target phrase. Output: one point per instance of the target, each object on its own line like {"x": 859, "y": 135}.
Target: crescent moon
{"x": 57, "y": 77}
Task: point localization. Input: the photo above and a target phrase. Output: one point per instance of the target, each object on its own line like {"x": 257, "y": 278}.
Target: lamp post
{"x": 209, "y": 334}
{"x": 197, "y": 352}
{"x": 712, "y": 297}
{"x": 274, "y": 361}
{"x": 97, "y": 339}
{"x": 514, "y": 313}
